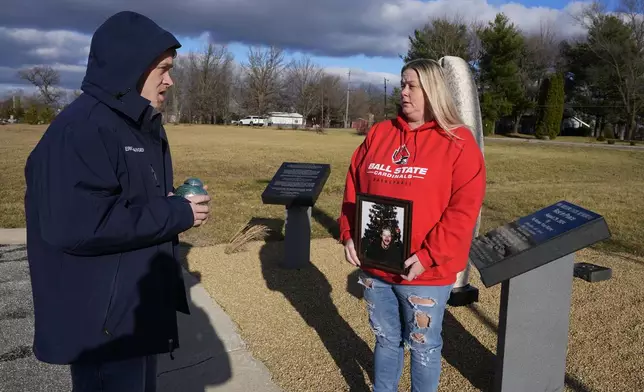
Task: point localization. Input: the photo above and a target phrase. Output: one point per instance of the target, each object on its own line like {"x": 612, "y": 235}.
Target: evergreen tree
{"x": 551, "y": 107}
{"x": 438, "y": 38}
{"x": 501, "y": 85}
{"x": 381, "y": 216}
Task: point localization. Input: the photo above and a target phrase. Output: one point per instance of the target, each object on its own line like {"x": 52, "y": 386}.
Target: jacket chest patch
{"x": 134, "y": 149}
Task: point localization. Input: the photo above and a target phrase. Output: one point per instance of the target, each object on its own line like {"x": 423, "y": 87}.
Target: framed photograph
{"x": 383, "y": 232}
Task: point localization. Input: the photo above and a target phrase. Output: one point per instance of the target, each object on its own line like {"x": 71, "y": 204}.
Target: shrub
{"x": 587, "y": 131}
{"x": 488, "y": 127}
{"x": 362, "y": 129}
{"x": 46, "y": 115}
{"x": 31, "y": 115}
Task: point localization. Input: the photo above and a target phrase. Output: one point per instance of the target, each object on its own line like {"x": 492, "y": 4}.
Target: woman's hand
{"x": 415, "y": 270}
{"x": 350, "y": 253}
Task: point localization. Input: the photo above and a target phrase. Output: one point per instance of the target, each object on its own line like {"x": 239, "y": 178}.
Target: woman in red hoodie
{"x": 447, "y": 192}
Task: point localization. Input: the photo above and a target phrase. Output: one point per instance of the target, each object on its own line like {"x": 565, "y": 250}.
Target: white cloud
{"x": 332, "y": 28}
{"x": 359, "y": 76}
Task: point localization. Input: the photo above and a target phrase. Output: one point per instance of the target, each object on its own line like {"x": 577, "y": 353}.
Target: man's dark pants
{"x": 130, "y": 375}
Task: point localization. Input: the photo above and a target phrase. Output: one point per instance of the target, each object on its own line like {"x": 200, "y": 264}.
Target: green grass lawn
{"x": 237, "y": 163}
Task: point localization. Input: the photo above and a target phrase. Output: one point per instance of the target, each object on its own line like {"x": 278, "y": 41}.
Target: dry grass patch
{"x": 310, "y": 327}
{"x": 238, "y": 162}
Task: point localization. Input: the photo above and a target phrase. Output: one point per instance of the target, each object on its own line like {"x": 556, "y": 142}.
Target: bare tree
{"x": 617, "y": 43}
{"x": 360, "y": 103}
{"x": 542, "y": 51}
{"x": 302, "y": 85}
{"x": 540, "y": 58}
{"x": 332, "y": 100}
{"x": 46, "y": 79}
{"x": 236, "y": 99}
{"x": 202, "y": 85}
{"x": 211, "y": 84}
{"x": 263, "y": 73}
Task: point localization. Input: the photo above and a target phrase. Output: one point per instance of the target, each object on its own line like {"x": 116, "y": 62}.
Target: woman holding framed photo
{"x": 426, "y": 163}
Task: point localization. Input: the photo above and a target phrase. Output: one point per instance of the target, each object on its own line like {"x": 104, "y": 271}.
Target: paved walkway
{"x": 212, "y": 357}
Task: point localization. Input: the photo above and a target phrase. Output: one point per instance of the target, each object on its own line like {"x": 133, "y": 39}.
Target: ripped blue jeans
{"x": 406, "y": 316}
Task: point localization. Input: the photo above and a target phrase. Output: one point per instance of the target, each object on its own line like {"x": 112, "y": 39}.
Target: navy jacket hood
{"x": 122, "y": 50}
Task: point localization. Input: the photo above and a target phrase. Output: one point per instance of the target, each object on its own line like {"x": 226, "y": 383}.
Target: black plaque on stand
{"x": 297, "y": 186}
{"x": 534, "y": 240}
{"x": 533, "y": 258}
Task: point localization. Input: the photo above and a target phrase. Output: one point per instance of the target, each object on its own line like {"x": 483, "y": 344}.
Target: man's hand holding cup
{"x": 194, "y": 191}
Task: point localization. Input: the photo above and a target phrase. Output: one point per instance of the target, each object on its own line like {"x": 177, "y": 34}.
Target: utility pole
{"x": 322, "y": 104}
{"x": 346, "y": 113}
{"x": 385, "y": 108}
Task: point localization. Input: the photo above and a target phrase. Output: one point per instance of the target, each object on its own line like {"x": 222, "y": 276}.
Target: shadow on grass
{"x": 326, "y": 221}
{"x": 309, "y": 292}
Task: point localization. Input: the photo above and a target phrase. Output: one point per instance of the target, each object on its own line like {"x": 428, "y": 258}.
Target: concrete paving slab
{"x": 246, "y": 375}
{"x": 19, "y": 369}
{"x": 13, "y": 236}
{"x": 30, "y": 375}
{"x": 212, "y": 357}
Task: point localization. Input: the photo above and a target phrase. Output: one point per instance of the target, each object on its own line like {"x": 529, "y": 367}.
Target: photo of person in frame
{"x": 384, "y": 250}
{"x": 382, "y": 235}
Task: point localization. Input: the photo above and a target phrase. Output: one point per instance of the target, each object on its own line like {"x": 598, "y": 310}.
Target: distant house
{"x": 285, "y": 119}
{"x": 571, "y": 125}
{"x": 573, "y": 122}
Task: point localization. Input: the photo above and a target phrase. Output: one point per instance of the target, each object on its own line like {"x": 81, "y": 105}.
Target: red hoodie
{"x": 447, "y": 188}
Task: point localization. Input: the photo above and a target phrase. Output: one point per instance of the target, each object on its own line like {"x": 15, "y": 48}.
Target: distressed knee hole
{"x": 422, "y": 319}
{"x": 368, "y": 283}
{"x": 415, "y": 300}
{"x": 418, "y": 337}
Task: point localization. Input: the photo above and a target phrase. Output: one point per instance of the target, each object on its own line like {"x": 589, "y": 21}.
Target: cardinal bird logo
{"x": 401, "y": 155}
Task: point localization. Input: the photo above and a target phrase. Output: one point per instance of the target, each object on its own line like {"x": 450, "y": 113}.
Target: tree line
{"x": 530, "y": 81}
{"x": 211, "y": 87}
{"x": 526, "y": 81}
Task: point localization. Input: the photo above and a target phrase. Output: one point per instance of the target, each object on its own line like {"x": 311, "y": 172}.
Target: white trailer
{"x": 285, "y": 119}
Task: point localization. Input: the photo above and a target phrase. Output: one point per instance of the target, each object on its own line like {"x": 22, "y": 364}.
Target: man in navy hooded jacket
{"x": 102, "y": 222}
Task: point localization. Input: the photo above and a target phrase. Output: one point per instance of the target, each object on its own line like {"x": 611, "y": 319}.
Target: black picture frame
{"x": 369, "y": 245}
